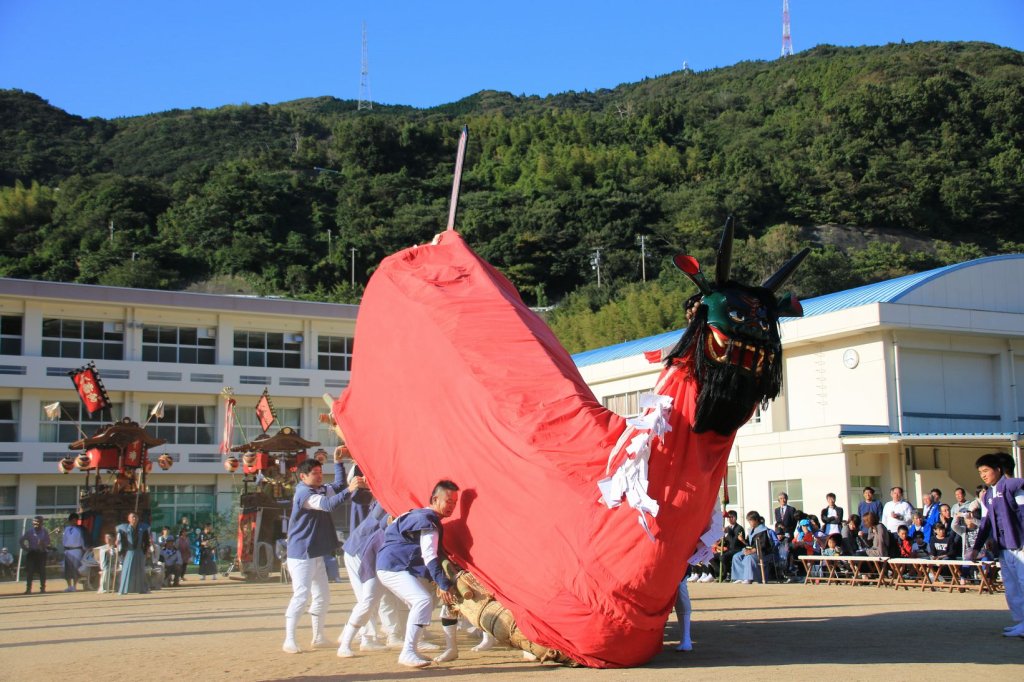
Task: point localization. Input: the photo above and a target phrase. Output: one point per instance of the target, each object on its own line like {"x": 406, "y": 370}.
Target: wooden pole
{"x": 457, "y": 181}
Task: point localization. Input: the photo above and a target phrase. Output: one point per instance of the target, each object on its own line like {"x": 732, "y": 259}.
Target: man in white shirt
{"x": 897, "y": 512}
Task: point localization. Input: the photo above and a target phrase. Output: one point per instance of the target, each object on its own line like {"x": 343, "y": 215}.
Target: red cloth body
{"x": 454, "y": 377}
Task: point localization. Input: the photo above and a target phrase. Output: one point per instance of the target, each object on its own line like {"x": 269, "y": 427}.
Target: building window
{"x": 248, "y": 426}
{"x": 65, "y": 428}
{"x": 10, "y": 531}
{"x": 178, "y": 344}
{"x": 732, "y": 487}
{"x": 793, "y": 487}
{"x": 10, "y": 334}
{"x": 184, "y": 424}
{"x": 9, "y": 413}
{"x": 87, "y": 339}
{"x": 625, "y": 404}
{"x": 56, "y": 499}
{"x": 267, "y": 349}
{"x": 327, "y": 437}
{"x": 171, "y": 502}
{"x": 334, "y": 353}
{"x": 857, "y": 485}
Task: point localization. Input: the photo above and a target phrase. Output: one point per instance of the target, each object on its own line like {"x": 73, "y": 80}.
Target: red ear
{"x": 789, "y": 306}
{"x": 687, "y": 264}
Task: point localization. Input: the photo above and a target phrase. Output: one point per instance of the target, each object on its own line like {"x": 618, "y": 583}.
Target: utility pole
{"x": 364, "y": 78}
{"x": 787, "y": 40}
{"x": 353, "y": 268}
{"x": 595, "y": 264}
{"x": 643, "y": 257}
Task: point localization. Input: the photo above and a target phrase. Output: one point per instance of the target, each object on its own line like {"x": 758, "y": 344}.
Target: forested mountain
{"x": 921, "y": 145}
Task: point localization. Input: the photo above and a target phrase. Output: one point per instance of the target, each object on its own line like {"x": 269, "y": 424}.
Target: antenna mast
{"x": 787, "y": 41}
{"x": 364, "y": 78}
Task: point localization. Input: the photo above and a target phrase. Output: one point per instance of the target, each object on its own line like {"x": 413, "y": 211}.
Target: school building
{"x": 904, "y": 382}
{"x": 150, "y": 346}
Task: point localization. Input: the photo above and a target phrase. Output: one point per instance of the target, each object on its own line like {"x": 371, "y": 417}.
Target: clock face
{"x": 851, "y": 359}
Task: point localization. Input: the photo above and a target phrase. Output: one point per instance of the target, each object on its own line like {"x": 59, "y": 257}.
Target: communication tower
{"x": 787, "y": 41}
{"x": 364, "y": 78}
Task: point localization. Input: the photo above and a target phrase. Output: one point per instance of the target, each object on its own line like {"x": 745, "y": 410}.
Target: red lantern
{"x": 165, "y": 461}
{"x": 66, "y": 465}
{"x": 148, "y": 466}
{"x": 231, "y": 464}
{"x": 321, "y": 456}
{"x": 84, "y": 461}
{"x": 249, "y": 459}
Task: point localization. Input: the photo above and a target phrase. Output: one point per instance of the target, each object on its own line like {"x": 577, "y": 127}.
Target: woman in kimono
{"x": 758, "y": 544}
{"x": 133, "y": 545}
{"x": 207, "y": 552}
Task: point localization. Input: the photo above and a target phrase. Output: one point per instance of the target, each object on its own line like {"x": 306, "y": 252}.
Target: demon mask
{"x": 733, "y": 339}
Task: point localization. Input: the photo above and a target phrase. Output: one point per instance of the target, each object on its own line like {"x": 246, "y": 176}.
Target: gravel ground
{"x": 231, "y": 630}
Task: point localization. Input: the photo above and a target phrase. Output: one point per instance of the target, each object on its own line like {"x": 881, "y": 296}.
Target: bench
{"x": 914, "y": 572}
{"x": 857, "y": 566}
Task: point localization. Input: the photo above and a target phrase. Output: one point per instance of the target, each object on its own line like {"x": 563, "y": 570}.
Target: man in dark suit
{"x": 785, "y": 514}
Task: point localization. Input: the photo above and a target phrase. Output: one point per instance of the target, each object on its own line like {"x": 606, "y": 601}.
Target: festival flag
{"x": 157, "y": 411}
{"x": 52, "y": 410}
{"x": 265, "y": 411}
{"x": 228, "y": 432}
{"x": 90, "y": 388}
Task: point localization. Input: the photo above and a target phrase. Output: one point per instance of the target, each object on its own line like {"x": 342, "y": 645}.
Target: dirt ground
{"x": 230, "y": 630}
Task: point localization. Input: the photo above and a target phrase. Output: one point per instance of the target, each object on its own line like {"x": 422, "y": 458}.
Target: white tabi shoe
{"x": 427, "y": 646}
{"x": 290, "y": 647}
{"x": 412, "y": 660}
{"x": 371, "y": 645}
{"x": 486, "y": 643}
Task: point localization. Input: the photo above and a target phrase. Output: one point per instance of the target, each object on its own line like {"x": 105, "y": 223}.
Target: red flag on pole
{"x": 265, "y": 411}
{"x": 90, "y": 388}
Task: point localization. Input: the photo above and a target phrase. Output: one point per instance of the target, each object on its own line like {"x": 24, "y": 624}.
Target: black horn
{"x": 779, "y": 278}
{"x": 724, "y": 263}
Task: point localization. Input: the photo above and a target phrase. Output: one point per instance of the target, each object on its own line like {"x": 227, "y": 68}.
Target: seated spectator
{"x": 917, "y": 525}
{"x": 729, "y": 546}
{"x": 905, "y": 543}
{"x": 854, "y": 540}
{"x": 920, "y": 545}
{"x": 943, "y": 548}
{"x": 745, "y": 563}
{"x": 6, "y": 564}
{"x": 804, "y": 544}
{"x": 880, "y": 539}
{"x": 945, "y": 518}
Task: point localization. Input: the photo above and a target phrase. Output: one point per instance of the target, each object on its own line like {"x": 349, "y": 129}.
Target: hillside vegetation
{"x": 921, "y": 141}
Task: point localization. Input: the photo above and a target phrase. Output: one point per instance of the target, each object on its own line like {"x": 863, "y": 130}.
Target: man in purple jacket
{"x": 1004, "y": 525}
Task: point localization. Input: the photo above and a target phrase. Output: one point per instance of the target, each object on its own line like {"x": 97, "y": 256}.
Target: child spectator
{"x": 904, "y": 543}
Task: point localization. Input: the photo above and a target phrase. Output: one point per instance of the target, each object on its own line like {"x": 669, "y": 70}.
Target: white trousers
{"x": 1011, "y": 562}
{"x": 373, "y": 598}
{"x": 309, "y": 584}
{"x": 416, "y": 594}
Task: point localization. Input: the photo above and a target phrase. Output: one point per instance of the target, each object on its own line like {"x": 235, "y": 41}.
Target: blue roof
{"x": 889, "y": 291}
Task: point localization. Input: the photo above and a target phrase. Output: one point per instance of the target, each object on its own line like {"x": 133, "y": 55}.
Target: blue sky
{"x": 120, "y": 58}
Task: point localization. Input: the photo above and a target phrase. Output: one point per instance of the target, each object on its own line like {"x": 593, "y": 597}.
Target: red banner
{"x": 90, "y": 388}
{"x": 265, "y": 412}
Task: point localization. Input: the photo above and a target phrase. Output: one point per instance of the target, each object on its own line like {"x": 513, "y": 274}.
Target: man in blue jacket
{"x": 311, "y": 538}
{"x": 1004, "y": 525}
{"x": 409, "y": 558}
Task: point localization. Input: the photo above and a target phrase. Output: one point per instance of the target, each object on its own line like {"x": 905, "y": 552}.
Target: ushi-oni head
{"x": 733, "y": 339}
